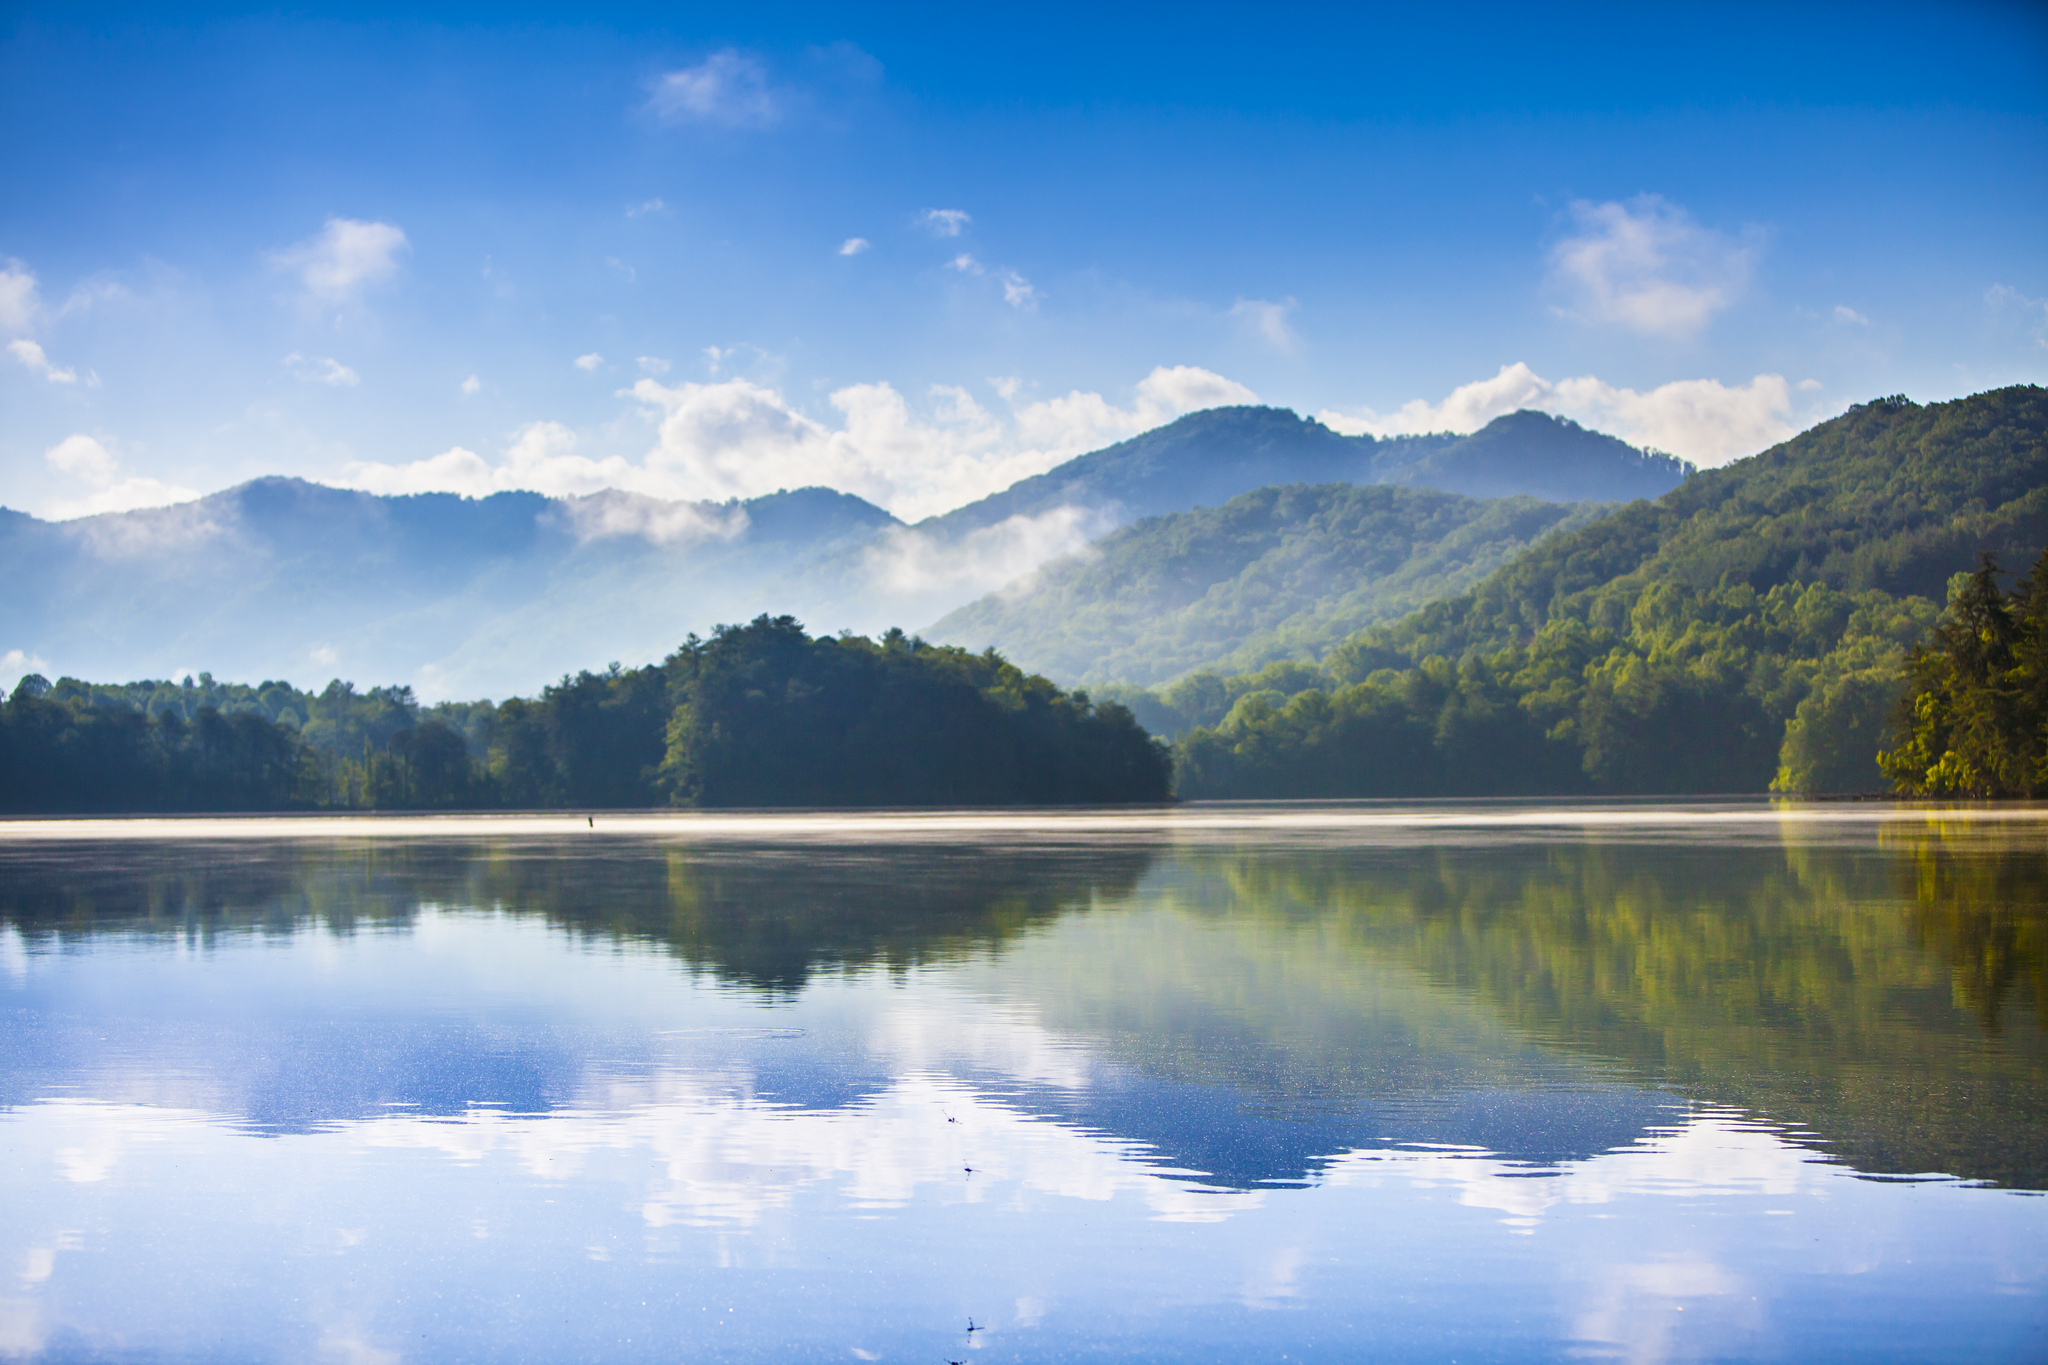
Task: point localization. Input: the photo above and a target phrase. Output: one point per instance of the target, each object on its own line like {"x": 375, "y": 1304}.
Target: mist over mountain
{"x": 280, "y": 578}
{"x": 1276, "y": 573}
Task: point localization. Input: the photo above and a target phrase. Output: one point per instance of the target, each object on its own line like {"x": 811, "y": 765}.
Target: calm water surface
{"x": 1290, "y": 1083}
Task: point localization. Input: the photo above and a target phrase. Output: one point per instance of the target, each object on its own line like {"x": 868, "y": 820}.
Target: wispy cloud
{"x": 649, "y": 206}
{"x": 965, "y": 264}
{"x": 1844, "y": 313}
{"x": 652, "y": 364}
{"x": 1645, "y": 266}
{"x": 88, "y": 460}
{"x": 853, "y": 246}
{"x": 2004, "y": 299}
{"x": 321, "y": 369}
{"x": 728, "y": 88}
{"x": 945, "y": 222}
{"x": 1267, "y": 321}
{"x": 18, "y": 302}
{"x": 31, "y": 355}
{"x": 1018, "y": 292}
{"x": 588, "y": 362}
{"x": 344, "y": 258}
{"x": 471, "y": 386}
{"x": 1702, "y": 420}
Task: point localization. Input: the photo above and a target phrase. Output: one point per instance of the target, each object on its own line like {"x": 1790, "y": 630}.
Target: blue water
{"x": 1487, "y": 1083}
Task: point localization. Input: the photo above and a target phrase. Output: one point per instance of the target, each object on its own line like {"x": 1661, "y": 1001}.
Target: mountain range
{"x": 455, "y": 596}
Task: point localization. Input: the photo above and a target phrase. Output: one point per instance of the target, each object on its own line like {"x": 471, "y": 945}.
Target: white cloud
{"x": 86, "y": 459}
{"x": 588, "y": 362}
{"x": 344, "y": 258}
{"x": 1844, "y": 313}
{"x": 18, "y": 302}
{"x": 471, "y": 385}
{"x": 1018, "y": 292}
{"x": 321, "y": 369}
{"x": 945, "y": 222}
{"x": 612, "y": 514}
{"x": 853, "y": 246}
{"x": 905, "y": 560}
{"x": 1267, "y": 321}
{"x": 651, "y": 206}
{"x": 1082, "y": 421}
{"x": 735, "y": 438}
{"x": 1702, "y": 420}
{"x": 727, "y": 88}
{"x": 652, "y": 364}
{"x": 17, "y": 664}
{"x": 965, "y": 264}
{"x": 1647, "y": 267}
{"x": 31, "y": 355}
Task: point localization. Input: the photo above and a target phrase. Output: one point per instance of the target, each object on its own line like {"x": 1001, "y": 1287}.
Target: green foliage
{"x": 767, "y": 716}
{"x": 1973, "y": 721}
{"x": 758, "y": 715}
{"x": 1746, "y": 631}
{"x": 1277, "y": 573}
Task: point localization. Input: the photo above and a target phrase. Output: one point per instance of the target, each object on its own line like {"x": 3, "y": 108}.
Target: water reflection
{"x": 922, "y": 1079}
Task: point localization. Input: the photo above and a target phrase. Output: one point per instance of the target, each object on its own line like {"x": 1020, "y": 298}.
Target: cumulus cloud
{"x": 322, "y": 369}
{"x": 945, "y": 222}
{"x": 853, "y": 246}
{"x": 1702, "y": 420}
{"x": 613, "y": 514}
{"x": 728, "y": 88}
{"x": 735, "y": 438}
{"x": 18, "y": 302}
{"x": 344, "y": 258}
{"x": 89, "y": 461}
{"x": 965, "y": 264}
{"x": 588, "y": 362}
{"x": 1267, "y": 321}
{"x": 31, "y": 355}
{"x": 1647, "y": 267}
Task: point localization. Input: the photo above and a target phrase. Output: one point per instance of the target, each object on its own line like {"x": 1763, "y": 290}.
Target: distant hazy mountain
{"x": 287, "y": 579}
{"x": 1207, "y": 458}
{"x": 284, "y": 579}
{"x": 1271, "y": 574}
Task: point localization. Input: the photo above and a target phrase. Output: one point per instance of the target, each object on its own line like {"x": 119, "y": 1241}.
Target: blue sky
{"x": 921, "y": 251}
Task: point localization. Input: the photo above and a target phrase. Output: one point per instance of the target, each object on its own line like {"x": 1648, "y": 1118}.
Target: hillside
{"x": 1207, "y": 458}
{"x": 1743, "y": 630}
{"x": 1275, "y": 573}
{"x": 279, "y": 578}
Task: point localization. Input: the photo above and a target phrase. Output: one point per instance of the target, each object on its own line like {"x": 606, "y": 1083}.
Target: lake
{"x": 1461, "y": 1082}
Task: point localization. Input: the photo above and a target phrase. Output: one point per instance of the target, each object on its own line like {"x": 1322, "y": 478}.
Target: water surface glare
{"x": 1293, "y": 1082}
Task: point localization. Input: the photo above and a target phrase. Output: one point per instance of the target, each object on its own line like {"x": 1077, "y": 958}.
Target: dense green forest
{"x": 1748, "y": 630}
{"x": 757, "y": 715}
{"x": 1278, "y": 573}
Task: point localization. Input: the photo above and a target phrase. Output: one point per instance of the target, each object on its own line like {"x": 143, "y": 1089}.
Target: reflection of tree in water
{"x": 1891, "y": 999}
{"x": 766, "y": 916}
{"x": 1985, "y": 911}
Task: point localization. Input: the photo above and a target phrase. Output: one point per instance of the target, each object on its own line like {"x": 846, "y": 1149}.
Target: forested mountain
{"x": 280, "y": 578}
{"x": 1746, "y": 628}
{"x": 1207, "y": 458}
{"x": 1277, "y": 573}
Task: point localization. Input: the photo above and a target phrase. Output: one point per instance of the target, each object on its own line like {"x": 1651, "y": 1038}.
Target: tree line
{"x": 761, "y": 714}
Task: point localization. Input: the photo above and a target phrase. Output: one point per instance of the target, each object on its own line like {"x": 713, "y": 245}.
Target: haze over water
{"x": 1224, "y": 1082}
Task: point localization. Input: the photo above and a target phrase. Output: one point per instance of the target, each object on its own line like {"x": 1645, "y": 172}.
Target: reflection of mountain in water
{"x": 1245, "y": 1012}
